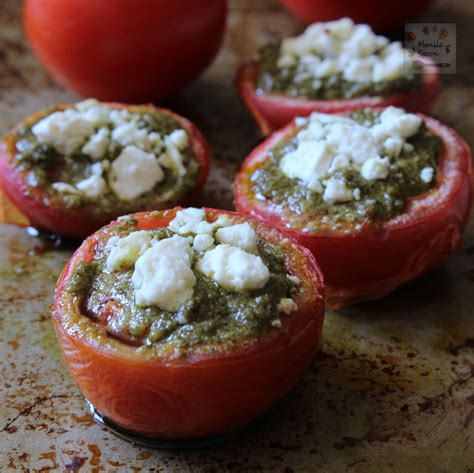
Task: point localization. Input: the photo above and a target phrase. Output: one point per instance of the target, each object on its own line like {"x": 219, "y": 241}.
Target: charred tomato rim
{"x": 200, "y": 396}
{"x": 273, "y": 111}
{"x": 448, "y": 202}
{"x": 74, "y": 222}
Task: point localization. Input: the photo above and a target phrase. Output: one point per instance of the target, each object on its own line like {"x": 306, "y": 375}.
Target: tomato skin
{"x": 390, "y": 15}
{"x": 77, "y": 223}
{"x": 273, "y": 111}
{"x": 125, "y": 50}
{"x": 373, "y": 262}
{"x": 198, "y": 396}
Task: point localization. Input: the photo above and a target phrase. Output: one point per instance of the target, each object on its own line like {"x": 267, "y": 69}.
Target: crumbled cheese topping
{"x": 427, "y": 174}
{"x": 327, "y": 144}
{"x": 191, "y": 221}
{"x": 64, "y": 131}
{"x": 203, "y": 242}
{"x": 93, "y": 129}
{"x": 163, "y": 270}
{"x": 233, "y": 268}
{"x": 241, "y": 235}
{"x": 163, "y": 276}
{"x": 134, "y": 172}
{"x": 93, "y": 186}
{"x": 125, "y": 251}
{"x": 341, "y": 47}
{"x": 287, "y": 306}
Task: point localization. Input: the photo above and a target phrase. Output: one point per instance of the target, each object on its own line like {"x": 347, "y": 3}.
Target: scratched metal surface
{"x": 392, "y": 388}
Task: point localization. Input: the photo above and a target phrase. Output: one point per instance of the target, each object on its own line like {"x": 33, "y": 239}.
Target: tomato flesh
{"x": 201, "y": 395}
{"x": 370, "y": 263}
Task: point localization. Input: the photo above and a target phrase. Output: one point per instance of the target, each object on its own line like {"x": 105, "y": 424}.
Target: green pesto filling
{"x": 273, "y": 79}
{"x": 214, "y": 319}
{"x": 381, "y": 199}
{"x": 43, "y": 166}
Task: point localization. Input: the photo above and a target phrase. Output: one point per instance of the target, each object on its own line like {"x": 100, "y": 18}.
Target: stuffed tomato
{"x": 334, "y": 67}
{"x": 378, "y": 196}
{"x": 73, "y": 168}
{"x": 182, "y": 324}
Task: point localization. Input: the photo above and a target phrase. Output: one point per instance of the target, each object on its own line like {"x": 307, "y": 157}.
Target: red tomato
{"x": 79, "y": 223}
{"x": 272, "y": 111}
{"x": 202, "y": 395}
{"x": 372, "y": 262}
{"x": 381, "y": 17}
{"x": 125, "y": 50}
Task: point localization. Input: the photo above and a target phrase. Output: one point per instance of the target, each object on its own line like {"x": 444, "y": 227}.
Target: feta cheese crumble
{"x": 328, "y": 144}
{"x": 287, "y": 306}
{"x": 241, "y": 235}
{"x": 427, "y": 174}
{"x": 191, "y": 221}
{"x": 101, "y": 132}
{"x": 93, "y": 187}
{"x": 342, "y": 47}
{"x": 163, "y": 276}
{"x": 165, "y": 271}
{"x": 233, "y": 268}
{"x": 64, "y": 131}
{"x": 125, "y": 251}
{"x": 134, "y": 172}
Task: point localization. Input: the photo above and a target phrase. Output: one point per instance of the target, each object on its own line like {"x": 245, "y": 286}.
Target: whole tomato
{"x": 125, "y": 50}
{"x": 380, "y": 16}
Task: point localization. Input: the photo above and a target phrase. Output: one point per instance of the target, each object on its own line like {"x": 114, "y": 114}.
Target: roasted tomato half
{"x": 186, "y": 383}
{"x": 125, "y": 50}
{"x": 371, "y": 260}
{"x": 77, "y": 172}
{"x": 273, "y": 111}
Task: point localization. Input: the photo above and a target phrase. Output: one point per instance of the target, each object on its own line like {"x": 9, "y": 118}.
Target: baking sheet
{"x": 392, "y": 388}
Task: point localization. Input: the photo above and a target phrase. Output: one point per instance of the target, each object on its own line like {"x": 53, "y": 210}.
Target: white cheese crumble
{"x": 163, "y": 276}
{"x": 97, "y": 144}
{"x": 342, "y": 47}
{"x": 233, "y": 268}
{"x": 241, "y": 235}
{"x": 287, "y": 306}
{"x": 134, "y": 172}
{"x": 308, "y": 162}
{"x": 64, "y": 131}
{"x": 94, "y": 128}
{"x": 375, "y": 168}
{"x": 327, "y": 144}
{"x": 93, "y": 186}
{"x": 125, "y": 251}
{"x": 191, "y": 221}
{"x": 337, "y": 191}
{"x": 179, "y": 138}
{"x": 427, "y": 174}
{"x": 203, "y": 242}
{"x": 130, "y": 134}
{"x": 64, "y": 187}
{"x": 172, "y": 158}
{"x": 294, "y": 279}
